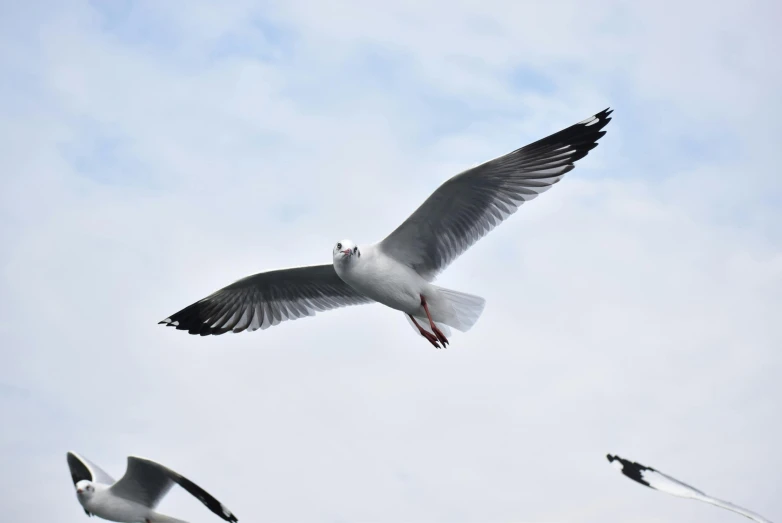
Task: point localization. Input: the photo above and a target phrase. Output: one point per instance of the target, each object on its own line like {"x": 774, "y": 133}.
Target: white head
{"x": 345, "y": 251}
{"x": 85, "y": 489}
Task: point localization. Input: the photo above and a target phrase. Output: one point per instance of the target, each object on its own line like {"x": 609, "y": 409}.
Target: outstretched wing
{"x": 657, "y": 480}
{"x": 82, "y": 468}
{"x": 142, "y": 483}
{"x": 146, "y": 482}
{"x": 469, "y": 205}
{"x": 266, "y": 299}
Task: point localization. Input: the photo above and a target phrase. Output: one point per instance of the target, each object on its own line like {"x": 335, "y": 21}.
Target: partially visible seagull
{"x": 134, "y": 497}
{"x": 664, "y": 483}
{"x": 398, "y": 271}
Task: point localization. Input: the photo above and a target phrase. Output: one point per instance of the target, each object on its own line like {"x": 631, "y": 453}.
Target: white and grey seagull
{"x": 658, "y": 481}
{"x": 134, "y": 497}
{"x": 398, "y": 271}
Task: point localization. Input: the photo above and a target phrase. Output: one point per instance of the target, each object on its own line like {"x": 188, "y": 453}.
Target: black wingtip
{"x": 632, "y": 469}
{"x": 191, "y": 319}
{"x": 603, "y": 116}
{"x": 598, "y": 120}
{"x": 605, "y": 113}
{"x": 580, "y": 138}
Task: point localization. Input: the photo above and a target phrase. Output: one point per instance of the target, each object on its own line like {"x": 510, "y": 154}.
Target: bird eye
{"x": 339, "y": 246}
{"x": 355, "y": 249}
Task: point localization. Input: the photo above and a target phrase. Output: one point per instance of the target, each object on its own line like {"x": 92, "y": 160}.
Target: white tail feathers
{"x": 465, "y": 308}
{"x": 160, "y": 518}
{"x": 450, "y": 308}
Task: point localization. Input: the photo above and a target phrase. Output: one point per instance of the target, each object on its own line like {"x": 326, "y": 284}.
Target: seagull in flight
{"x": 134, "y": 497}
{"x": 398, "y": 271}
{"x": 664, "y": 483}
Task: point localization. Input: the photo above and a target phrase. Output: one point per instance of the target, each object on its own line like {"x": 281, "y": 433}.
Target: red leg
{"x": 437, "y": 332}
{"x": 428, "y": 335}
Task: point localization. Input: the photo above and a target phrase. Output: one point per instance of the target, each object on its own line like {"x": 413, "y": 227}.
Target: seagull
{"x": 134, "y": 497}
{"x": 398, "y": 271}
{"x": 664, "y": 483}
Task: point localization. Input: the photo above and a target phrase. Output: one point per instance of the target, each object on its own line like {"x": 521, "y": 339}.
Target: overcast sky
{"x": 153, "y": 152}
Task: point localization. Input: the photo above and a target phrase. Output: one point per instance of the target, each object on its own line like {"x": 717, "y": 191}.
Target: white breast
{"x": 383, "y": 279}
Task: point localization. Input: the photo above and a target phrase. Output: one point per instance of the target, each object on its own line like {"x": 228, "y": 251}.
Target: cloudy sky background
{"x": 156, "y": 151}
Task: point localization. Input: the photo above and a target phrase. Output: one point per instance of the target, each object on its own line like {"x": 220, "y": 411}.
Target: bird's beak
{"x": 346, "y": 252}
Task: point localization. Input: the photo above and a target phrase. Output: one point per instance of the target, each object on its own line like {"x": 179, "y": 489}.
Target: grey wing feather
{"x": 142, "y": 483}
{"x": 266, "y": 299}
{"x": 469, "y": 205}
{"x": 82, "y": 468}
{"x": 148, "y": 481}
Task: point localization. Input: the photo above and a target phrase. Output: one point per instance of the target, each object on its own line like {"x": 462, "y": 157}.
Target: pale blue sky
{"x": 154, "y": 152}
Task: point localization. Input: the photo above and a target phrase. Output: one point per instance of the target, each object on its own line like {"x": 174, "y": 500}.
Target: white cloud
{"x": 631, "y": 309}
